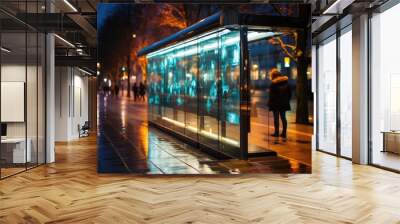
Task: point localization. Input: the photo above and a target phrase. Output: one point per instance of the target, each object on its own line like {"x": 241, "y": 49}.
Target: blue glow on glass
{"x": 192, "y": 88}
{"x": 213, "y": 93}
{"x": 208, "y": 105}
{"x": 179, "y": 101}
{"x": 197, "y": 78}
{"x": 223, "y": 53}
{"x": 232, "y": 118}
{"x": 228, "y": 41}
{"x": 236, "y": 56}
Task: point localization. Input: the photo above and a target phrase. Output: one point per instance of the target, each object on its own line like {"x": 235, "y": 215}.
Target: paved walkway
{"x": 298, "y": 143}
{"x": 127, "y": 144}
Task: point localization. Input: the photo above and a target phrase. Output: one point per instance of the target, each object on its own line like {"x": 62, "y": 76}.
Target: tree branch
{"x": 279, "y": 41}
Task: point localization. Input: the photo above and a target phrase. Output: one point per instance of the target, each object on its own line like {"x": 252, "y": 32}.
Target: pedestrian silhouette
{"x": 116, "y": 88}
{"x": 135, "y": 90}
{"x": 142, "y": 91}
{"x": 279, "y": 100}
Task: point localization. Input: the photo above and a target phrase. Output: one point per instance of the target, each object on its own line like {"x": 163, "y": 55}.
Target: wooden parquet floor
{"x": 71, "y": 191}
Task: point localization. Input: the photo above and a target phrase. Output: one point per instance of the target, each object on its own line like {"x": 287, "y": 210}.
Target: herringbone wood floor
{"x": 71, "y": 191}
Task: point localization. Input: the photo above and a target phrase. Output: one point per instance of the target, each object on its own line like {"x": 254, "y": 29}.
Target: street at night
{"x": 193, "y": 72}
{"x": 127, "y": 144}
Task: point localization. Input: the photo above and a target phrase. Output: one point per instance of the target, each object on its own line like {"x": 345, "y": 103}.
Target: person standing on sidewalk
{"x": 279, "y": 100}
{"x": 116, "y": 88}
{"x": 135, "y": 90}
{"x": 142, "y": 89}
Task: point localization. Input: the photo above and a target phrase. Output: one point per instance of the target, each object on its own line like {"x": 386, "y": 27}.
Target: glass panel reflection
{"x": 230, "y": 90}
{"x": 208, "y": 110}
{"x": 191, "y": 93}
{"x": 194, "y": 89}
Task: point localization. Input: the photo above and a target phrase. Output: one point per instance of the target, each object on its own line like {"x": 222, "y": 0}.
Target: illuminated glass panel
{"x": 191, "y": 95}
{"x": 208, "y": 67}
{"x": 194, "y": 89}
{"x": 176, "y": 75}
{"x": 155, "y": 87}
{"x": 168, "y": 96}
{"x": 230, "y": 90}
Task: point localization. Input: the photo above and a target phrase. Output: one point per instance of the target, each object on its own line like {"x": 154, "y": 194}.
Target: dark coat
{"x": 279, "y": 94}
{"x": 142, "y": 89}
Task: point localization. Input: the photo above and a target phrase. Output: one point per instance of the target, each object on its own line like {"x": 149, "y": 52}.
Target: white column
{"x": 360, "y": 90}
{"x": 50, "y": 99}
{"x": 50, "y": 92}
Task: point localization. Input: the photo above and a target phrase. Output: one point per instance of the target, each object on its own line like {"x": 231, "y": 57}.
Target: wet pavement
{"x": 126, "y": 144}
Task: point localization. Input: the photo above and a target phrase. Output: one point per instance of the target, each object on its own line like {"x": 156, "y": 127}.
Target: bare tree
{"x": 169, "y": 19}
{"x": 297, "y": 51}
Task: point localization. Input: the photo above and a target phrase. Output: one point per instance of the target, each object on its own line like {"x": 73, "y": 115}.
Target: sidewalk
{"x": 126, "y": 144}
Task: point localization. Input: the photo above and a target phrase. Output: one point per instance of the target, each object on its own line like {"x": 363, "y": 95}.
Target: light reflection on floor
{"x": 127, "y": 144}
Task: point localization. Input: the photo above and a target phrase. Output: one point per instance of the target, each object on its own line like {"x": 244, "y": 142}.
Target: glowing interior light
{"x": 182, "y": 51}
{"x": 190, "y": 42}
{"x": 177, "y": 123}
{"x": 204, "y": 132}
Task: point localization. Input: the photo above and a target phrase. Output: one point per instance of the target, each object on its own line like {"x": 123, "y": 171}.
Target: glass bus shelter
{"x": 199, "y": 78}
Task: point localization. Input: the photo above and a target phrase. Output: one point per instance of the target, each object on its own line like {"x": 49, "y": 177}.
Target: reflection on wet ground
{"x": 126, "y": 144}
{"x": 297, "y": 145}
